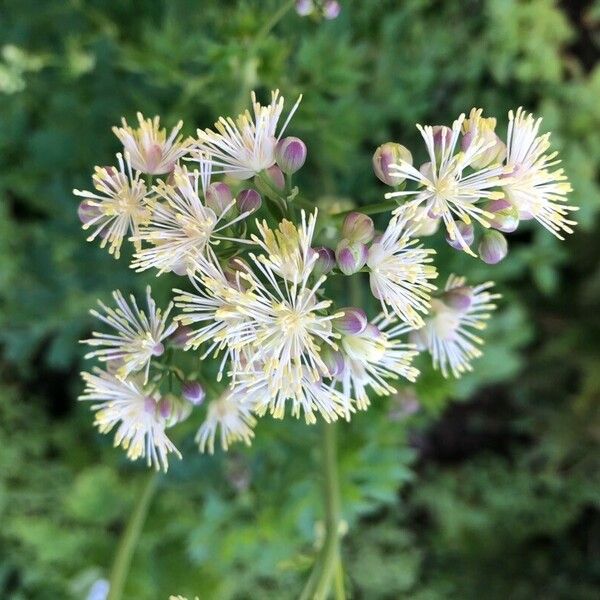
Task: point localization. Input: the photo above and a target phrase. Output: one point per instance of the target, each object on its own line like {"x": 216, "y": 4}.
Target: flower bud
{"x": 290, "y": 154}
{"x": 174, "y": 409}
{"x": 218, "y": 197}
{"x": 483, "y": 129}
{"x": 193, "y": 392}
{"x": 442, "y": 136}
{"x": 248, "y": 201}
{"x": 353, "y": 322}
{"x": 459, "y": 298}
{"x": 331, "y": 9}
{"x": 351, "y": 256}
{"x": 304, "y": 7}
{"x": 466, "y": 231}
{"x": 325, "y": 261}
{"x": 180, "y": 336}
{"x": 334, "y": 361}
{"x": 275, "y": 177}
{"x": 506, "y": 216}
{"x": 86, "y": 211}
{"x": 492, "y": 247}
{"x": 388, "y": 154}
{"x": 358, "y": 228}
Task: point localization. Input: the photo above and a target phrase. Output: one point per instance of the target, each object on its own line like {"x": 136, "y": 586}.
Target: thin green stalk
{"x": 319, "y": 583}
{"x": 372, "y": 209}
{"x": 129, "y": 539}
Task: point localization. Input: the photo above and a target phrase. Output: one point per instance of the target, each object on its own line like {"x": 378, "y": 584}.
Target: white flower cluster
{"x": 256, "y": 293}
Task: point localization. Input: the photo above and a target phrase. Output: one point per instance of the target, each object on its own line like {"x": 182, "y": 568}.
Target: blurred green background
{"x": 489, "y": 490}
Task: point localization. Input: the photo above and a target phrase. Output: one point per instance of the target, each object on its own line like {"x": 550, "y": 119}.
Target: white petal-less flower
{"x": 373, "y": 358}
{"x": 182, "y": 228}
{"x": 448, "y": 331}
{"x": 150, "y": 149}
{"x": 121, "y": 205}
{"x": 533, "y": 186}
{"x": 446, "y": 190}
{"x": 246, "y": 146}
{"x": 232, "y": 417}
{"x": 399, "y": 271}
{"x": 125, "y": 404}
{"x": 288, "y": 248}
{"x": 139, "y": 335}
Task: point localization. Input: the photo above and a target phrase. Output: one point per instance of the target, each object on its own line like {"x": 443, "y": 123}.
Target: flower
{"x": 150, "y": 150}
{"x": 532, "y": 186}
{"x": 447, "y": 334}
{"x": 139, "y": 335}
{"x": 245, "y": 147}
{"x": 141, "y": 427}
{"x": 446, "y": 189}
{"x": 399, "y": 272}
{"x": 234, "y": 419}
{"x": 484, "y": 128}
{"x": 371, "y": 358}
{"x": 121, "y": 207}
{"x": 183, "y": 228}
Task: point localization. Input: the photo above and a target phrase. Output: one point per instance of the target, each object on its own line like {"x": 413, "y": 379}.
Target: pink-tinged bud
{"x": 442, "y": 136}
{"x": 331, "y": 9}
{"x": 218, "y": 197}
{"x": 248, "y": 201}
{"x": 358, "y": 228}
{"x": 86, "y": 211}
{"x": 304, "y": 7}
{"x": 459, "y": 299}
{"x": 180, "y": 267}
{"x": 275, "y": 178}
{"x": 193, "y": 392}
{"x": 386, "y": 155}
{"x": 353, "y": 322}
{"x": 372, "y": 332}
{"x": 180, "y": 336}
{"x": 506, "y": 216}
{"x": 492, "y": 247}
{"x": 334, "y": 361}
{"x": 150, "y": 405}
{"x": 351, "y": 256}
{"x": 158, "y": 349}
{"x": 325, "y": 261}
{"x": 290, "y": 154}
{"x": 466, "y": 231}
{"x": 174, "y": 409}
{"x": 232, "y": 270}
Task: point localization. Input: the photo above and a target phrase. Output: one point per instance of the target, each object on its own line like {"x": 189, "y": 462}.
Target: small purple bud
{"x": 248, "y": 200}
{"x": 467, "y": 233}
{"x": 275, "y": 178}
{"x": 218, "y": 197}
{"x": 150, "y": 405}
{"x": 506, "y": 216}
{"x": 290, "y": 154}
{"x": 174, "y": 409}
{"x": 459, "y": 299}
{"x": 442, "y": 136}
{"x": 388, "y": 154}
{"x": 354, "y": 321}
{"x": 334, "y": 361}
{"x": 358, "y": 228}
{"x": 180, "y": 336}
{"x": 304, "y": 7}
{"x": 164, "y": 407}
{"x": 86, "y": 211}
{"x": 331, "y": 9}
{"x": 193, "y": 392}
{"x": 158, "y": 349}
{"x": 351, "y": 256}
{"x": 325, "y": 261}
{"x": 492, "y": 247}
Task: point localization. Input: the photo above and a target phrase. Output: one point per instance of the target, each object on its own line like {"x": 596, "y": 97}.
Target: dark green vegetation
{"x": 488, "y": 491}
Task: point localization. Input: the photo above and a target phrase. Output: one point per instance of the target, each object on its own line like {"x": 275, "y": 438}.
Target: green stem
{"x": 275, "y": 18}
{"x": 329, "y": 560}
{"x": 130, "y": 537}
{"x": 372, "y": 209}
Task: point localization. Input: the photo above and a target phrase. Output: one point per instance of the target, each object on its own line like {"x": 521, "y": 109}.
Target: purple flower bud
{"x": 180, "y": 336}
{"x": 193, "y": 392}
{"x": 248, "y": 200}
{"x": 467, "y": 233}
{"x": 86, "y": 211}
{"x": 158, "y": 349}
{"x": 442, "y": 136}
{"x": 354, "y": 321}
{"x": 492, "y": 247}
{"x": 331, "y": 9}
{"x": 334, "y": 361}
{"x": 351, "y": 256}
{"x": 388, "y": 154}
{"x": 304, "y": 7}
{"x": 459, "y": 299}
{"x": 506, "y": 216}
{"x": 290, "y": 154}
{"x": 325, "y": 261}
{"x": 358, "y": 228}
{"x": 218, "y": 197}
{"x": 174, "y": 409}
{"x": 275, "y": 178}
{"x": 150, "y": 405}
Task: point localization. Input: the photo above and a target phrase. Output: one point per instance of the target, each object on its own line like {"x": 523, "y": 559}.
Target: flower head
{"x": 447, "y": 191}
{"x": 246, "y": 146}
{"x": 141, "y": 427}
{"x": 121, "y": 205}
{"x": 138, "y": 336}
{"x": 536, "y": 189}
{"x": 150, "y": 149}
{"x": 399, "y": 272}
